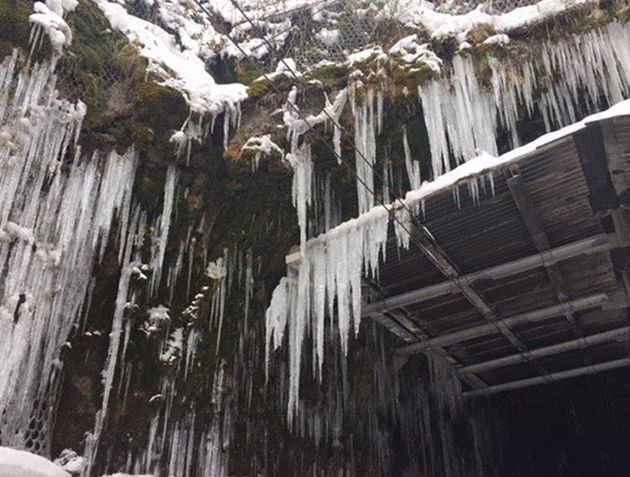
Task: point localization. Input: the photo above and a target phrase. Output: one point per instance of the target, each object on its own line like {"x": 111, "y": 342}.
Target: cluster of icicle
{"x": 56, "y": 213}
{"x": 462, "y": 116}
{"x": 462, "y": 119}
{"x": 329, "y": 273}
{"x": 186, "y": 446}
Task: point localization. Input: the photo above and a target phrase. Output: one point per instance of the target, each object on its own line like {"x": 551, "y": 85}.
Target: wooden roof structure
{"x": 531, "y": 284}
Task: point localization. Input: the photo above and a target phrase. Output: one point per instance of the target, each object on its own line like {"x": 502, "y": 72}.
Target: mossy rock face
{"x": 158, "y": 112}
{"x": 15, "y": 30}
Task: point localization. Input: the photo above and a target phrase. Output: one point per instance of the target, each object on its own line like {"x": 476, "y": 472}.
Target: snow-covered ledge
{"x": 330, "y": 268}
{"x": 18, "y": 463}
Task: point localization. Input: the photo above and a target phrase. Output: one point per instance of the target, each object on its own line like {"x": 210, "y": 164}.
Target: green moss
{"x": 331, "y": 75}
{"x": 408, "y": 78}
{"x": 159, "y": 108}
{"x": 259, "y": 88}
{"x": 15, "y": 29}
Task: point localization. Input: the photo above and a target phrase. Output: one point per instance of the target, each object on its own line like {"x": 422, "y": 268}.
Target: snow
{"x": 173, "y": 347}
{"x": 261, "y": 145}
{"x": 413, "y": 52}
{"x": 70, "y": 461}
{"x": 500, "y": 39}
{"x": 216, "y": 270}
{"x": 440, "y": 25}
{"x": 179, "y": 66}
{"x": 18, "y": 463}
{"x": 328, "y": 37}
{"x": 159, "y": 318}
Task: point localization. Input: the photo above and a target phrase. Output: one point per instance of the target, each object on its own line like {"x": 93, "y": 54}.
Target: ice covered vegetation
{"x": 197, "y": 200}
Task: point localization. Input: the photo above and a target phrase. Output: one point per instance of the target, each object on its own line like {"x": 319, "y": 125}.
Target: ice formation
{"x": 302, "y": 164}
{"x": 412, "y": 165}
{"x": 365, "y": 124}
{"x": 164, "y": 226}
{"x": 330, "y": 272}
{"x": 462, "y": 117}
{"x": 54, "y": 225}
{"x": 332, "y": 265}
{"x": 48, "y": 18}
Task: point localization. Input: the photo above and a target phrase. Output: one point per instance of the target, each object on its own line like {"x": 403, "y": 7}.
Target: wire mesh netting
{"x": 308, "y": 33}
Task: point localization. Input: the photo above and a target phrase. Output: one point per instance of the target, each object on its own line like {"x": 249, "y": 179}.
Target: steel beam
{"x": 596, "y": 244}
{"x": 579, "y": 343}
{"x": 559, "y": 376}
{"x": 542, "y": 314}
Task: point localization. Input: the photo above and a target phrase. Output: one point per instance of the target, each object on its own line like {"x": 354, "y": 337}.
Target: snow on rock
{"x": 440, "y": 25}
{"x": 411, "y": 51}
{"x": 328, "y": 37}
{"x": 18, "y": 463}
{"x": 262, "y": 146}
{"x": 70, "y": 461}
{"x": 178, "y": 64}
{"x": 173, "y": 347}
{"x": 159, "y": 318}
{"x": 500, "y": 39}
{"x": 216, "y": 270}
{"x": 48, "y": 17}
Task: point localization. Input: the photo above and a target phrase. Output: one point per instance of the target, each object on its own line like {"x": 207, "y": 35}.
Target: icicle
{"x": 365, "y": 151}
{"x": 413, "y": 167}
{"x": 165, "y": 223}
{"x": 302, "y": 164}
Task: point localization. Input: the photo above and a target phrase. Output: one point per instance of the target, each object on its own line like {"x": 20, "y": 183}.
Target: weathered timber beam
{"x": 579, "y": 343}
{"x": 559, "y": 376}
{"x": 542, "y": 314}
{"x": 534, "y": 225}
{"x": 596, "y": 244}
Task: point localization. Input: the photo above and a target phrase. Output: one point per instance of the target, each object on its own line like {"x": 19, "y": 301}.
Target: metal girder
{"x": 448, "y": 339}
{"x": 579, "y": 343}
{"x": 559, "y": 376}
{"x": 429, "y": 247}
{"x": 592, "y": 245}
